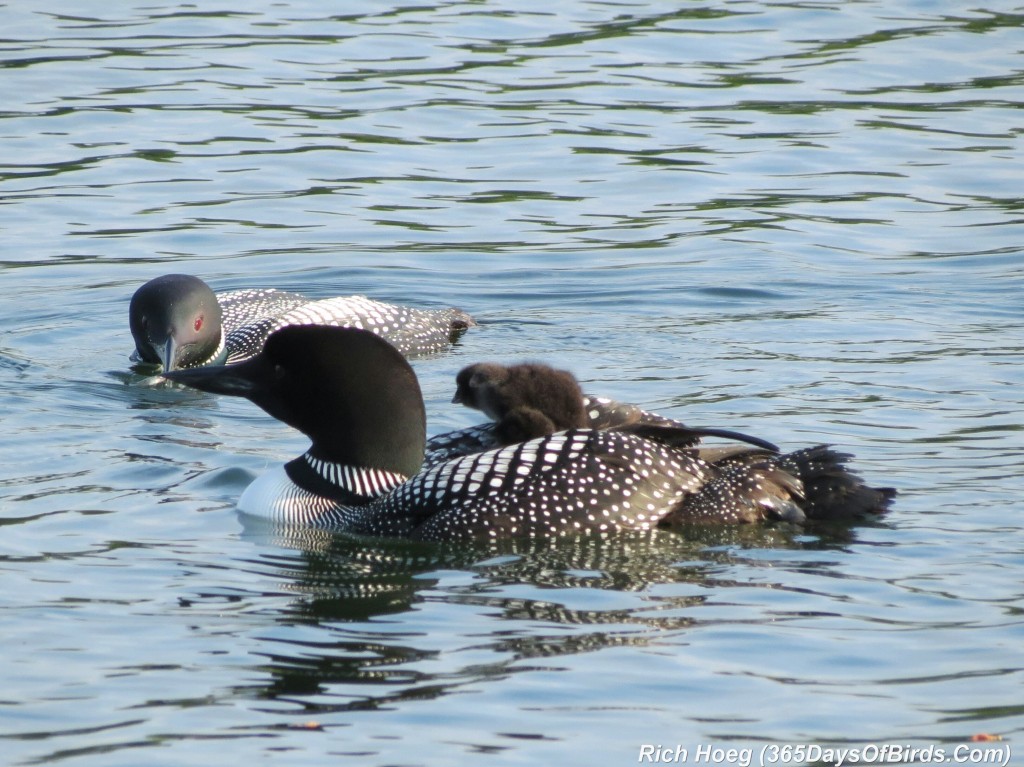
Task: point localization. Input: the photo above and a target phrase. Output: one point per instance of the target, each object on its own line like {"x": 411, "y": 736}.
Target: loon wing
{"x": 571, "y": 482}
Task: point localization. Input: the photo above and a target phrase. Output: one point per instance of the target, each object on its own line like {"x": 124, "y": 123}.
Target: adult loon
{"x": 177, "y": 321}
{"x": 358, "y": 400}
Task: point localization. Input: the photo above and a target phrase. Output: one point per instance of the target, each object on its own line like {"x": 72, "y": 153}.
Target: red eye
{"x": 198, "y": 324}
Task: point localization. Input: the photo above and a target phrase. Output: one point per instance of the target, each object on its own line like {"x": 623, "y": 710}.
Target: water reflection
{"x": 510, "y": 604}
{"x": 348, "y": 569}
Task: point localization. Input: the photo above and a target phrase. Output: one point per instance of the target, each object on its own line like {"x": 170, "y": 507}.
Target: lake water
{"x": 802, "y": 220}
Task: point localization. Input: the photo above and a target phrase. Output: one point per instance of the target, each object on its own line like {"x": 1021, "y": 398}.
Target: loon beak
{"x": 168, "y": 353}
{"x": 217, "y": 379}
{"x": 458, "y": 399}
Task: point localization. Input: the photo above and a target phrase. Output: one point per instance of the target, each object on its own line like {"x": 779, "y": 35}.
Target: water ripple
{"x": 794, "y": 219}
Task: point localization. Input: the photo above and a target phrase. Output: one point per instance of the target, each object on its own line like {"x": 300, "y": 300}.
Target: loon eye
{"x": 198, "y": 324}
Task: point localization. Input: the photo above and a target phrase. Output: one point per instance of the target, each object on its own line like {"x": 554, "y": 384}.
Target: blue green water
{"x": 800, "y": 220}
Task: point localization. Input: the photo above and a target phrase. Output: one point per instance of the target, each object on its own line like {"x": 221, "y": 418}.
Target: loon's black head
{"x": 351, "y": 392}
{"x": 176, "y": 322}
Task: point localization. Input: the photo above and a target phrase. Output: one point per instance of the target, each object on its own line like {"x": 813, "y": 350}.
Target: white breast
{"x": 274, "y": 497}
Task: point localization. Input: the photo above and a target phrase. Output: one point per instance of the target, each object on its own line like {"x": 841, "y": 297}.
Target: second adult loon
{"x": 359, "y": 402}
{"x": 177, "y": 321}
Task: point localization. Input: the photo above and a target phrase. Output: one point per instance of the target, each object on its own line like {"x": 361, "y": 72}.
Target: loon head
{"x": 176, "y": 322}
{"x": 476, "y": 387}
{"x": 348, "y": 390}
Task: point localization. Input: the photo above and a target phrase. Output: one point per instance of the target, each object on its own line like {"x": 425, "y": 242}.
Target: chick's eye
{"x": 198, "y": 324}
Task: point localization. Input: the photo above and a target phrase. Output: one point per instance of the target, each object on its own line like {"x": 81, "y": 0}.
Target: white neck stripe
{"x": 361, "y": 481}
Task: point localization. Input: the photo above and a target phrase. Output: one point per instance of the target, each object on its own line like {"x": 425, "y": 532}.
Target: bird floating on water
{"x": 358, "y": 400}
{"x": 178, "y": 322}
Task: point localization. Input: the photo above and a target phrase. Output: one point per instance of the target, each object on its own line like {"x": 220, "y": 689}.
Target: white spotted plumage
{"x": 569, "y": 483}
{"x": 249, "y": 316}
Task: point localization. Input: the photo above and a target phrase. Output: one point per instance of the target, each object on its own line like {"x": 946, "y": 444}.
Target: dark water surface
{"x": 802, "y": 220}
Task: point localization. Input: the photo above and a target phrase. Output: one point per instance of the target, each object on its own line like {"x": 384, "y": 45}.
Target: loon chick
{"x": 357, "y": 399}
{"x": 748, "y": 485}
{"x": 526, "y": 401}
{"x": 177, "y": 321}
{"x": 533, "y": 399}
